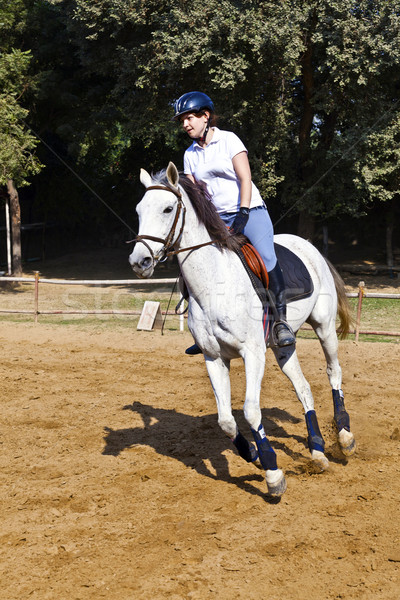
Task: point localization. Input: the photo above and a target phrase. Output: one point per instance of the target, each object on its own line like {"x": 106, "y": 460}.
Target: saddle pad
{"x": 297, "y": 279}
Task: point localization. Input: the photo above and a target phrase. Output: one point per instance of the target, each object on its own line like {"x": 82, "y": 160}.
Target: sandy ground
{"x": 116, "y": 481}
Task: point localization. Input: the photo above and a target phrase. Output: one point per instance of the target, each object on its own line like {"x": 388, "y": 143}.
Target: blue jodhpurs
{"x": 259, "y": 231}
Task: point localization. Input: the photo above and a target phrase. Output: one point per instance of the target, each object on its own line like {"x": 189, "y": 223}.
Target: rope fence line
{"x": 361, "y": 294}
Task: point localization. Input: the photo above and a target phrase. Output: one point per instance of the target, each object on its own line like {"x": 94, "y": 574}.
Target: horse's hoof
{"x": 347, "y": 442}
{"x": 319, "y": 460}
{"x": 276, "y": 483}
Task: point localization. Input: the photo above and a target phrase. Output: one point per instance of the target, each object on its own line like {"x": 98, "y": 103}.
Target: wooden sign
{"x": 151, "y": 317}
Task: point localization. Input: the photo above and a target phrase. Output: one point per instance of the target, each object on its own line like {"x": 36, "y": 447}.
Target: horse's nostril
{"x": 146, "y": 262}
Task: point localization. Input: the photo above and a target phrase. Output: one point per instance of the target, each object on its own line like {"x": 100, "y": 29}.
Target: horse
{"x": 225, "y": 313}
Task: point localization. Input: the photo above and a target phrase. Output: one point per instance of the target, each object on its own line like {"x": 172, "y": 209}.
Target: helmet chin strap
{"x": 202, "y": 138}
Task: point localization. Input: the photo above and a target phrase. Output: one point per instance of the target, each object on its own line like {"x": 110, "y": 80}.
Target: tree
{"x": 347, "y": 81}
{"x": 17, "y": 144}
{"x": 303, "y": 83}
{"x": 241, "y": 53}
{"x": 379, "y": 174}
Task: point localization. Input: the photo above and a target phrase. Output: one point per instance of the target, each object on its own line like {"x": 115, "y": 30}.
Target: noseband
{"x": 168, "y": 243}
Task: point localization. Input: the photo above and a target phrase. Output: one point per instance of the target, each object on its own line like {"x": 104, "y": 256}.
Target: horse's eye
{"x": 168, "y": 209}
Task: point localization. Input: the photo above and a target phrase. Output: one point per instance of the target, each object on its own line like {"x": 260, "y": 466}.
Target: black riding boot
{"x": 192, "y": 350}
{"x": 282, "y": 333}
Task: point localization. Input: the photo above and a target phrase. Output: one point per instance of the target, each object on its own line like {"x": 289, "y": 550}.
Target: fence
{"x": 361, "y": 294}
{"x": 91, "y": 282}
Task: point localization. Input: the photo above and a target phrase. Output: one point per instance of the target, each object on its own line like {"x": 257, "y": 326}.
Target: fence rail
{"x": 94, "y": 282}
{"x": 361, "y": 294}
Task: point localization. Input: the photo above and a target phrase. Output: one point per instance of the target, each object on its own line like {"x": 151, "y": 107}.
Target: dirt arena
{"x": 116, "y": 481}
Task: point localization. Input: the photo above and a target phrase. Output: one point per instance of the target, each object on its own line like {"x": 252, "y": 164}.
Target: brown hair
{"x": 213, "y": 117}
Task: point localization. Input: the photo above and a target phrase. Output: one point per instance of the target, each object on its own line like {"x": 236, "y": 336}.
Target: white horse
{"x": 225, "y": 312}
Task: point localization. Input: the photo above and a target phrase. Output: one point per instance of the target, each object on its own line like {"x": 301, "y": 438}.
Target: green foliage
{"x": 311, "y": 88}
{"x": 17, "y": 160}
{"x": 353, "y": 51}
{"x": 379, "y": 172}
{"x": 17, "y": 144}
{"x": 251, "y": 58}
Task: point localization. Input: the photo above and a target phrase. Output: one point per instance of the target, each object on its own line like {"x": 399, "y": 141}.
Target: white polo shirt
{"x": 213, "y": 165}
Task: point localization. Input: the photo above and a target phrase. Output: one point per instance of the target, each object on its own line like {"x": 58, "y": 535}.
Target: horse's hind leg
{"x": 288, "y": 361}
{"x": 329, "y": 342}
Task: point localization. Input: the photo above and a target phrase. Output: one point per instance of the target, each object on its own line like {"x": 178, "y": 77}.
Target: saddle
{"x": 255, "y": 263}
{"x": 298, "y": 282}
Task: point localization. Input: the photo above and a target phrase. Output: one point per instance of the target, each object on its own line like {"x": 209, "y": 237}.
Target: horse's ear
{"x": 145, "y": 178}
{"x": 172, "y": 174}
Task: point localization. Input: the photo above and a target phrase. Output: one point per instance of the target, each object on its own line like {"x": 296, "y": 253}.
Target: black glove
{"x": 241, "y": 219}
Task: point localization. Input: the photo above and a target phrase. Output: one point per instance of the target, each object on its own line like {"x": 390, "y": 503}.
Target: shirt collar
{"x": 215, "y": 138}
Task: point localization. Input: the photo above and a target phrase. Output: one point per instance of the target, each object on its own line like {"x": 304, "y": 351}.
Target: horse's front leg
{"x": 218, "y": 372}
{"x": 254, "y": 366}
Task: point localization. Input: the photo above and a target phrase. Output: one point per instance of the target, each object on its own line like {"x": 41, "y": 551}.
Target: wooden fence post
{"x": 359, "y": 306}
{"x": 36, "y": 295}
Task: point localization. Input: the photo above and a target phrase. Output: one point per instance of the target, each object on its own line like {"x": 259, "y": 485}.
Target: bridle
{"x": 168, "y": 242}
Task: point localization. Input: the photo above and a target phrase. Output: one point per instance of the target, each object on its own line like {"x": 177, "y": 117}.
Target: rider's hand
{"x": 241, "y": 219}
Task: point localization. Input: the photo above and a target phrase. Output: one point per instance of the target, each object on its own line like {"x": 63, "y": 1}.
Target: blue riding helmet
{"x": 192, "y": 102}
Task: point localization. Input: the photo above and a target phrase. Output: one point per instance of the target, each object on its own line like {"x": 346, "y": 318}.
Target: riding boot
{"x": 282, "y": 333}
{"x": 192, "y": 350}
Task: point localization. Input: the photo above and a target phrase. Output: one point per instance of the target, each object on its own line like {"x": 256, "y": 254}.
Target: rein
{"x": 168, "y": 243}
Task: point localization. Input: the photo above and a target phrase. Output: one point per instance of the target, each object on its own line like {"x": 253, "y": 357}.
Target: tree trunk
{"x": 325, "y": 241}
{"x": 306, "y": 121}
{"x": 390, "y": 217}
{"x": 306, "y": 225}
{"x": 15, "y": 211}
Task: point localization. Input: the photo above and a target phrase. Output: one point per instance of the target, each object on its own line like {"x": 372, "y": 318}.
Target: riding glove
{"x": 241, "y": 219}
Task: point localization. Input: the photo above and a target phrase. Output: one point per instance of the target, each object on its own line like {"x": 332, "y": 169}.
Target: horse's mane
{"x": 205, "y": 211}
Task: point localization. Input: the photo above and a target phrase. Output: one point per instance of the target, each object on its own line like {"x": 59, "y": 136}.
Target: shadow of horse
{"x": 198, "y": 440}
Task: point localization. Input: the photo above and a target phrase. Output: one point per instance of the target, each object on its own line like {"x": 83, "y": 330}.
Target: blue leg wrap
{"x": 245, "y": 449}
{"x": 266, "y": 453}
{"x": 315, "y": 439}
{"x": 341, "y": 417}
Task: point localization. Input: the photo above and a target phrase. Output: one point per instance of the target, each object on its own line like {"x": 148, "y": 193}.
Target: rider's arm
{"x": 242, "y": 169}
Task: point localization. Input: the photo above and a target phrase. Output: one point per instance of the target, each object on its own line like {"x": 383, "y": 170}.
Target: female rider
{"x": 219, "y": 159}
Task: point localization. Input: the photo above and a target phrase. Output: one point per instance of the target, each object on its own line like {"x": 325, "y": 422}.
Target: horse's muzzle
{"x": 142, "y": 266}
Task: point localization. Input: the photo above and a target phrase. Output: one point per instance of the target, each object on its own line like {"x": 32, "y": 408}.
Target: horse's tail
{"x": 343, "y": 303}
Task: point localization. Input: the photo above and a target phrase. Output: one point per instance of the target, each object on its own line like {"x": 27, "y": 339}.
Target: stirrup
{"x": 282, "y": 334}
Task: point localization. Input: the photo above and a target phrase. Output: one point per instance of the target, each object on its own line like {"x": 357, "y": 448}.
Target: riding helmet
{"x": 192, "y": 102}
